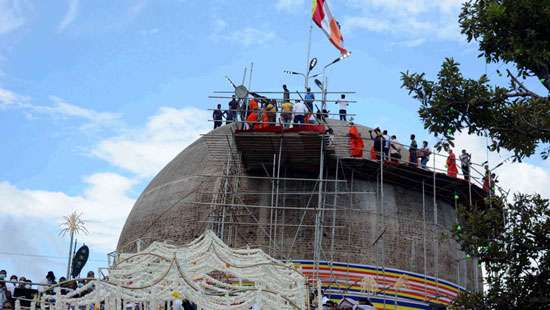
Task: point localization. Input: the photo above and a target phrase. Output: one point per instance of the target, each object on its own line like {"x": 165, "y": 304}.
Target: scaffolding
{"x": 346, "y": 222}
{"x": 278, "y": 189}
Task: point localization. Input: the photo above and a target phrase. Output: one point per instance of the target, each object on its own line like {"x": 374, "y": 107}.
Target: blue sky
{"x": 97, "y": 96}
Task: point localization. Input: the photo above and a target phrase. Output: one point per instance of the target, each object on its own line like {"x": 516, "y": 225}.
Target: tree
{"x": 513, "y": 242}
{"x": 514, "y": 117}
{"x": 511, "y": 239}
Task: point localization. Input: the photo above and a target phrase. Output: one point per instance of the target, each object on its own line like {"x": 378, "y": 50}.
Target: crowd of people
{"x": 260, "y": 111}
{"x": 390, "y": 150}
{"x": 25, "y": 289}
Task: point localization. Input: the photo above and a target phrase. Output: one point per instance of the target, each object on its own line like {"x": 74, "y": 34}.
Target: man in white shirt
{"x": 299, "y": 110}
{"x": 387, "y": 142}
{"x": 395, "y": 150}
{"x": 343, "y": 106}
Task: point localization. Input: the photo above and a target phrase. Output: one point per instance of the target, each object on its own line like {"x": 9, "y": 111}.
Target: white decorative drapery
{"x": 206, "y": 272}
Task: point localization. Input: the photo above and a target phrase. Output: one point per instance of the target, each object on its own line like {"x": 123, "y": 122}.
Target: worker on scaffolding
{"x": 413, "y": 152}
{"x": 330, "y": 133}
{"x": 489, "y": 182}
{"x": 343, "y": 107}
{"x": 309, "y": 97}
{"x": 286, "y": 94}
{"x": 265, "y": 116}
{"x": 217, "y": 115}
{"x": 299, "y": 110}
{"x": 395, "y": 150}
{"x": 486, "y": 179}
{"x": 272, "y": 112}
{"x": 378, "y": 144}
{"x": 424, "y": 153}
{"x": 387, "y": 142}
{"x": 356, "y": 141}
{"x": 452, "y": 169}
{"x": 286, "y": 114}
{"x": 465, "y": 159}
{"x": 233, "y": 106}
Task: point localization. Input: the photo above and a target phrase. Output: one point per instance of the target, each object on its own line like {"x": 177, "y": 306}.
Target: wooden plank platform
{"x": 299, "y": 150}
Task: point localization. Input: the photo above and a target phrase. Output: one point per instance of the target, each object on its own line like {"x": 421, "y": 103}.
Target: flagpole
{"x": 308, "y": 55}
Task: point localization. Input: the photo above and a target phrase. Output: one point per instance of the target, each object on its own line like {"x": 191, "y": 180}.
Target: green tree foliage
{"x": 514, "y": 117}
{"x": 512, "y": 240}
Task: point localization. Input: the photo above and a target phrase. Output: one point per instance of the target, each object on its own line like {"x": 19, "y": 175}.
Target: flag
{"x": 323, "y": 18}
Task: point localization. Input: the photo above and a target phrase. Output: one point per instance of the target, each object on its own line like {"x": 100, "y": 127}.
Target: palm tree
{"x": 73, "y": 224}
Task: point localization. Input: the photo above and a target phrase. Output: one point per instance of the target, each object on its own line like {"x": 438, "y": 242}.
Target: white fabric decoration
{"x": 206, "y": 272}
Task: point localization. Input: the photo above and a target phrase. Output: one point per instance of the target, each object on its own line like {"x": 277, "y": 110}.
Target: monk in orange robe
{"x": 252, "y": 120}
{"x": 253, "y": 106}
{"x": 356, "y": 142}
{"x": 452, "y": 169}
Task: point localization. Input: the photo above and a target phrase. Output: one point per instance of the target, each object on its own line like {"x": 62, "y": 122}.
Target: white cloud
{"x": 64, "y": 109}
{"x": 251, "y": 36}
{"x": 9, "y": 98}
{"x": 146, "y": 150}
{"x": 247, "y": 36}
{"x": 368, "y": 23}
{"x": 411, "y": 43}
{"x": 104, "y": 205}
{"x": 34, "y": 214}
{"x": 12, "y": 15}
{"x": 415, "y": 19}
{"x": 290, "y": 6}
{"x": 70, "y": 15}
{"x": 60, "y": 108}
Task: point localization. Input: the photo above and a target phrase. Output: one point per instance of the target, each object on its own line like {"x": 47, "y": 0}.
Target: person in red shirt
{"x": 452, "y": 169}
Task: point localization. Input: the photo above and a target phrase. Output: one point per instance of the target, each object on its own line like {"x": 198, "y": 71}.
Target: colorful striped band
{"x": 389, "y": 286}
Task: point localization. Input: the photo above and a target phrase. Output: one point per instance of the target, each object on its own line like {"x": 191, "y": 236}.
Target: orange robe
{"x": 452, "y": 170}
{"x": 252, "y": 120}
{"x": 356, "y": 142}
{"x": 253, "y": 106}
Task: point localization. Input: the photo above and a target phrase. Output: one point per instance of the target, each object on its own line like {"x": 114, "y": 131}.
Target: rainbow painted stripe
{"x": 408, "y": 290}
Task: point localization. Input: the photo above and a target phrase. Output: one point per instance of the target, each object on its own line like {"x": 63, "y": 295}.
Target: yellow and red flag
{"x": 323, "y": 18}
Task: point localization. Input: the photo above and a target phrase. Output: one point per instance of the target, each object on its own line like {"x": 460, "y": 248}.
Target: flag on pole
{"x": 323, "y": 18}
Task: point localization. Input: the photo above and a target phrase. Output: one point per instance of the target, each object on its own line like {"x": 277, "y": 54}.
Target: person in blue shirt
{"x": 308, "y": 99}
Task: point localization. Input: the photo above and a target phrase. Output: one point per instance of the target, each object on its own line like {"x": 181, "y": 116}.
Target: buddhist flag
{"x": 323, "y": 18}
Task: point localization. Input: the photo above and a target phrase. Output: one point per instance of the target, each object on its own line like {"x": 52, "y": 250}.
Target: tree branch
{"x": 521, "y": 85}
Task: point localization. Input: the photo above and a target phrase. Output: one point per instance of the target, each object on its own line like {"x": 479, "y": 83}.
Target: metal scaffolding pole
{"x": 424, "y": 243}
{"x": 318, "y": 233}
{"x": 383, "y": 224}
{"x": 333, "y": 232}
{"x": 277, "y": 192}
{"x": 271, "y": 204}
{"x": 436, "y": 237}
